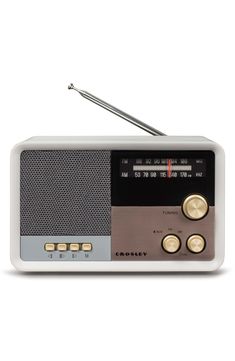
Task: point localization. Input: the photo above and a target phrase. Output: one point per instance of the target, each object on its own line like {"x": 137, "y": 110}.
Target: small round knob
{"x": 195, "y": 207}
{"x": 196, "y": 243}
{"x": 171, "y": 243}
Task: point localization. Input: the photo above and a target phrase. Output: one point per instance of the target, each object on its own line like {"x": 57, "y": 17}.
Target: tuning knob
{"x": 195, "y": 207}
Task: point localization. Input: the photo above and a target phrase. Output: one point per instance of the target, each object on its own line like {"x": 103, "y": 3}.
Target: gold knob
{"x": 195, "y": 207}
{"x": 196, "y": 243}
{"x": 171, "y": 243}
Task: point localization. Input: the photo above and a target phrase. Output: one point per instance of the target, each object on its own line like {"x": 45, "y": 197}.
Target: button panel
{"x": 45, "y": 248}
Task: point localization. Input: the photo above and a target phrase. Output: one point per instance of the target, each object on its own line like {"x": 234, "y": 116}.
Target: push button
{"x": 49, "y": 247}
{"x": 86, "y": 247}
{"x": 61, "y": 247}
{"x": 74, "y": 247}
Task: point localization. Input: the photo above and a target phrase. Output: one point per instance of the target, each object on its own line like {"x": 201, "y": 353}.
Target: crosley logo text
{"x": 132, "y": 254}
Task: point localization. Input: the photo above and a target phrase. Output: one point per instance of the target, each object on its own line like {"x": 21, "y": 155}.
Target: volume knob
{"x": 195, "y": 207}
{"x": 196, "y": 243}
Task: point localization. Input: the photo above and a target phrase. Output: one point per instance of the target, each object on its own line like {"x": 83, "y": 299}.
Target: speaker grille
{"x": 65, "y": 192}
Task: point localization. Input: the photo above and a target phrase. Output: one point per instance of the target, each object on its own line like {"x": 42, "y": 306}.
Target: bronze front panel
{"x": 137, "y": 233}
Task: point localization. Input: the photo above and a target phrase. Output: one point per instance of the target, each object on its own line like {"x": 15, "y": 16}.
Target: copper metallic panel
{"x": 137, "y": 233}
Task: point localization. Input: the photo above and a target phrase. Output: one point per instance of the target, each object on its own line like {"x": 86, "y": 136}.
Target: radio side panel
{"x": 108, "y": 144}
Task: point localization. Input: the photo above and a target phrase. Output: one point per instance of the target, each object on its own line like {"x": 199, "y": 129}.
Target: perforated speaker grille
{"x": 65, "y": 192}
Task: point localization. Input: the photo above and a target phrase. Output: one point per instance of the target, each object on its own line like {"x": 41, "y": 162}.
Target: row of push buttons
{"x": 62, "y": 247}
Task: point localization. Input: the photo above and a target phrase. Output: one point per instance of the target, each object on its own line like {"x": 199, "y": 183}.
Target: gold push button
{"x": 195, "y": 207}
{"x": 74, "y": 247}
{"x": 49, "y": 247}
{"x": 86, "y": 247}
{"x": 61, "y": 247}
{"x": 196, "y": 243}
{"x": 171, "y": 243}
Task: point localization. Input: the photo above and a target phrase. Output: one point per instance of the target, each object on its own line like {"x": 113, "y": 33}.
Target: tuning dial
{"x": 195, "y": 207}
{"x": 196, "y": 243}
{"x": 171, "y": 243}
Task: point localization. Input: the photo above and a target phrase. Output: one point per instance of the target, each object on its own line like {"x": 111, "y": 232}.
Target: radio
{"x": 118, "y": 204}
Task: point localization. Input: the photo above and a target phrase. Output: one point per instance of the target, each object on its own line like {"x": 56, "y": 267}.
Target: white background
{"x": 169, "y": 63}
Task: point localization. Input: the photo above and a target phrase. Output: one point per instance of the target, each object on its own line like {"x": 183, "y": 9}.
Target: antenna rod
{"x": 117, "y": 111}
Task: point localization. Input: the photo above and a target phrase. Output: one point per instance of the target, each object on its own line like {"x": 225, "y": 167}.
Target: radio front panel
{"x": 117, "y": 205}
{"x": 163, "y": 205}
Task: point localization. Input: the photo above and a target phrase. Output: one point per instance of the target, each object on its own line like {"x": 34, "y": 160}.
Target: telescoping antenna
{"x": 114, "y": 110}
